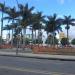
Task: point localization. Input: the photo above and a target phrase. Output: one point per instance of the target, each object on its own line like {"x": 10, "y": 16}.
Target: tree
{"x": 27, "y": 41}
{"x": 64, "y": 41}
{"x": 12, "y": 14}
{"x": 13, "y": 27}
{"x": 1, "y": 40}
{"x": 73, "y": 42}
{"x": 26, "y": 15}
{"x": 49, "y": 40}
{"x": 53, "y": 24}
{"x": 7, "y": 27}
{"x": 2, "y": 7}
{"x": 37, "y": 41}
{"x": 68, "y": 21}
{"x": 37, "y": 20}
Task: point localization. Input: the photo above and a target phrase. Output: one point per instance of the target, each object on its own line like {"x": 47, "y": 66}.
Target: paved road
{"x": 31, "y": 66}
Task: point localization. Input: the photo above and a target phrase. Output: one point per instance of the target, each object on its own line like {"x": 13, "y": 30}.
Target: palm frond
{"x": 2, "y": 6}
{"x": 32, "y": 8}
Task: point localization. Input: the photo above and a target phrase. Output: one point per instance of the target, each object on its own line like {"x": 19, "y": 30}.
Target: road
{"x": 31, "y": 66}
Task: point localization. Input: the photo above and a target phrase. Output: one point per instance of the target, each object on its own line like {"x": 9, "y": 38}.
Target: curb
{"x": 38, "y": 57}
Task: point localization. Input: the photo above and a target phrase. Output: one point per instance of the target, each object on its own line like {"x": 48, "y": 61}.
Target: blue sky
{"x": 48, "y": 7}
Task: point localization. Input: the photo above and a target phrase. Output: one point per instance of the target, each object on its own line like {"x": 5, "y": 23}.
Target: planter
{"x": 52, "y": 50}
{"x": 42, "y": 49}
{"x": 6, "y": 46}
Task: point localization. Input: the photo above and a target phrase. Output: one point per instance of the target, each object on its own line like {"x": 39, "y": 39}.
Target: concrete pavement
{"x": 40, "y": 56}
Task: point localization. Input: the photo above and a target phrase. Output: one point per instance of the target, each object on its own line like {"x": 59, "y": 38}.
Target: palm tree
{"x": 37, "y": 21}
{"x": 1, "y": 9}
{"x": 7, "y": 27}
{"x": 68, "y": 21}
{"x": 53, "y": 24}
{"x": 26, "y": 15}
{"x": 12, "y": 27}
{"x": 4, "y": 8}
{"x": 12, "y": 14}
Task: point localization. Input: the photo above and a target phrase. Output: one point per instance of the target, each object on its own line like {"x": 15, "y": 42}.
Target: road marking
{"x": 34, "y": 71}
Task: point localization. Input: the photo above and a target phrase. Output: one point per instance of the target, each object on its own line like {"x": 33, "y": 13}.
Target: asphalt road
{"x": 31, "y": 66}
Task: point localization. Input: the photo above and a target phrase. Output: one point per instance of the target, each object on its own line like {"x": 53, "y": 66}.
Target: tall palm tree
{"x": 53, "y": 24}
{"x": 4, "y": 8}
{"x": 12, "y": 15}
{"x": 12, "y": 27}
{"x": 1, "y": 9}
{"x": 11, "y": 12}
{"x": 37, "y": 20}
{"x": 68, "y": 21}
{"x": 26, "y": 15}
{"x": 7, "y": 27}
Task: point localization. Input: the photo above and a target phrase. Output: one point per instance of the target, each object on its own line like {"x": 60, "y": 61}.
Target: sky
{"x": 48, "y": 7}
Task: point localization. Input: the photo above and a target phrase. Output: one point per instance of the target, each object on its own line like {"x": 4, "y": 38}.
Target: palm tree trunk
{"x": 24, "y": 38}
{"x": 21, "y": 38}
{"x": 47, "y": 39}
{"x": 12, "y": 38}
{"x": 53, "y": 38}
{"x": 67, "y": 35}
{"x": 32, "y": 38}
{"x": 35, "y": 37}
{"x": 2, "y": 28}
{"x": 12, "y": 34}
{"x": 38, "y": 37}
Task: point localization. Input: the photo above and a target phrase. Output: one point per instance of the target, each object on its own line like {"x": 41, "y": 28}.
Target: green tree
{"x": 8, "y": 28}
{"x": 49, "y": 40}
{"x": 53, "y": 24}
{"x": 64, "y": 41}
{"x": 12, "y": 15}
{"x": 73, "y": 42}
{"x": 37, "y": 20}
{"x": 37, "y": 41}
{"x": 1, "y": 40}
{"x": 26, "y": 15}
{"x": 68, "y": 21}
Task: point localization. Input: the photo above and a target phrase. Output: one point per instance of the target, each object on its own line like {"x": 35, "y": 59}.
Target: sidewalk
{"x": 39, "y": 56}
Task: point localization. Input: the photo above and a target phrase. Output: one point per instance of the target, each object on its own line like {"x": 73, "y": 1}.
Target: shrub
{"x": 73, "y": 41}
{"x": 64, "y": 41}
{"x": 50, "y": 40}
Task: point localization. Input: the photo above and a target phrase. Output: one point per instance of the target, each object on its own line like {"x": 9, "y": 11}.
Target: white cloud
{"x": 71, "y": 32}
{"x": 61, "y": 1}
